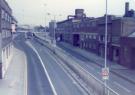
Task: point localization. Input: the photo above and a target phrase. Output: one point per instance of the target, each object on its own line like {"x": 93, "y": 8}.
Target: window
{"x": 117, "y": 52}
{"x": 101, "y": 38}
{"x": 3, "y": 14}
{"x": 94, "y": 36}
{"x": 90, "y": 37}
{"x": 115, "y": 39}
{"x": 93, "y": 23}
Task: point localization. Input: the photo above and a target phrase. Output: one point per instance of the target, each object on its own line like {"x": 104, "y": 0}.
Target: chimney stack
{"x": 126, "y": 7}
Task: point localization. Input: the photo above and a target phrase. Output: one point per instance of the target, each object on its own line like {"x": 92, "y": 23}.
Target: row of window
{"x": 5, "y": 16}
{"x": 100, "y": 38}
{"x": 6, "y": 25}
{"x": 6, "y": 34}
{"x": 88, "y": 45}
{"x": 88, "y": 36}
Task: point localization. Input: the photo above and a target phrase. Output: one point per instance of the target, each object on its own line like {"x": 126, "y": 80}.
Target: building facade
{"x": 89, "y": 33}
{"x": 52, "y": 29}
{"x": 127, "y": 54}
{"x": 6, "y": 46}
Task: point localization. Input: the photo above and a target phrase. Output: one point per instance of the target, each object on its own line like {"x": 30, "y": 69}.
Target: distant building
{"x": 52, "y": 27}
{"x": 24, "y": 28}
{"x": 14, "y": 25}
{"x": 129, "y": 13}
{"x": 6, "y": 46}
{"x": 89, "y": 33}
{"x": 40, "y": 29}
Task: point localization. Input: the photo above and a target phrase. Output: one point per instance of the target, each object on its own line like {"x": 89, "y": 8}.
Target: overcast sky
{"x": 33, "y": 11}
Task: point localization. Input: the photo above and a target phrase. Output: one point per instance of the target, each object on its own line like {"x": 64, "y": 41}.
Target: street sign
{"x": 105, "y": 73}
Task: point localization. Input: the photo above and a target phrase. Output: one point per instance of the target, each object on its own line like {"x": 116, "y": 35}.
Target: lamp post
{"x": 45, "y": 16}
{"x": 106, "y": 69}
{"x": 106, "y": 33}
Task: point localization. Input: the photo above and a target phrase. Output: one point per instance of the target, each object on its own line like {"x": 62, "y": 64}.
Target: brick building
{"x": 52, "y": 26}
{"x": 6, "y": 20}
{"x": 89, "y": 33}
{"x": 127, "y": 54}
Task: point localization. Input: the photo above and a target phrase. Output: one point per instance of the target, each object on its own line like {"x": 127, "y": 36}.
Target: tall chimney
{"x": 126, "y": 7}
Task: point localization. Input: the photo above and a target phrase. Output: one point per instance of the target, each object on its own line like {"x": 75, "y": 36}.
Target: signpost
{"x": 105, "y": 73}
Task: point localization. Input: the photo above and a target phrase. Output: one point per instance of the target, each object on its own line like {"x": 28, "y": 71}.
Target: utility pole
{"x": 106, "y": 69}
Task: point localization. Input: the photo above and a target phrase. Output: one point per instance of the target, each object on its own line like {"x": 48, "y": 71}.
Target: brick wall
{"x": 127, "y": 54}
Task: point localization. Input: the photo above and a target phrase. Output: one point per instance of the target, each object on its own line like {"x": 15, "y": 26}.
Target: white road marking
{"x": 124, "y": 88}
{"x": 70, "y": 76}
{"x": 62, "y": 68}
{"x": 48, "y": 77}
{"x": 94, "y": 76}
{"x": 25, "y": 80}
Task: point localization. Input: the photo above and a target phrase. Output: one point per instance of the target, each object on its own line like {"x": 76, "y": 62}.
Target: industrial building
{"x": 89, "y": 33}
{"x": 52, "y": 27}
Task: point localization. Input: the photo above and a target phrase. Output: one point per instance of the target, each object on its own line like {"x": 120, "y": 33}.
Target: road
{"x": 38, "y": 83}
{"x": 63, "y": 82}
{"x": 117, "y": 83}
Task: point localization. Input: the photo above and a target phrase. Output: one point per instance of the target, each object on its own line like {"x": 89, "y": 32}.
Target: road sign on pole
{"x": 105, "y": 73}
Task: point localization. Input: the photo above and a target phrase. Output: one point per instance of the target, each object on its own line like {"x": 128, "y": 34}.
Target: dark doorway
{"x": 76, "y": 40}
{"x": 61, "y": 37}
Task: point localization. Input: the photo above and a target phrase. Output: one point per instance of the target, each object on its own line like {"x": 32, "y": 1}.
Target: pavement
{"x": 93, "y": 64}
{"x": 63, "y": 84}
{"x": 37, "y": 82}
{"x": 115, "y": 68}
{"x": 15, "y": 80}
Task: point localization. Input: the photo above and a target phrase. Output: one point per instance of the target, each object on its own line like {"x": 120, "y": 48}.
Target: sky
{"x": 34, "y": 12}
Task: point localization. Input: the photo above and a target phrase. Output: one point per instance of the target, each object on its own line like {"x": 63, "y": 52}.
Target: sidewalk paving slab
{"x": 15, "y": 80}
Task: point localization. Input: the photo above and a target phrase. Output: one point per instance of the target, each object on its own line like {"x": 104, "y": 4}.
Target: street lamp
{"x": 45, "y": 16}
{"x": 106, "y": 33}
{"x": 106, "y": 69}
